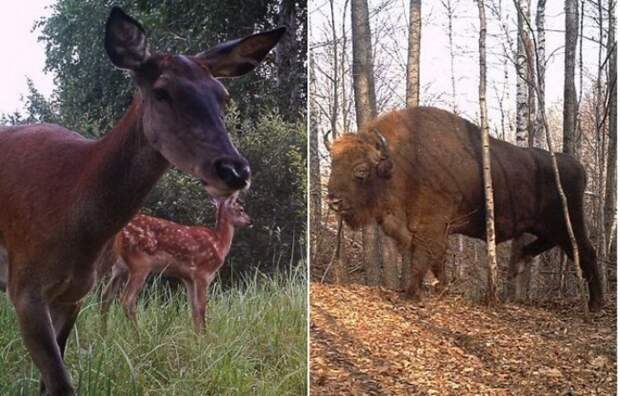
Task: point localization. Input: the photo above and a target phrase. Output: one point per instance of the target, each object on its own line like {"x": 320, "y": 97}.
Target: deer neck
{"x": 225, "y": 231}
{"x": 122, "y": 170}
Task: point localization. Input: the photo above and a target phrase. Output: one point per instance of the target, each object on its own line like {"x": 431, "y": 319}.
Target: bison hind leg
{"x": 589, "y": 268}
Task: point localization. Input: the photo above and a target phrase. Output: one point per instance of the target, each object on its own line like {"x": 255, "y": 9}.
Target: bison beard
{"x": 433, "y": 187}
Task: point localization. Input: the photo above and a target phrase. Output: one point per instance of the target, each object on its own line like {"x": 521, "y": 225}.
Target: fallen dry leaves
{"x": 372, "y": 341}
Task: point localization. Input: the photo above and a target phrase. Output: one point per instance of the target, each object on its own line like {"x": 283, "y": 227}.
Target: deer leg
{"x": 4, "y": 268}
{"x": 199, "y": 305}
{"x": 35, "y": 322}
{"x": 63, "y": 319}
{"x": 130, "y": 295}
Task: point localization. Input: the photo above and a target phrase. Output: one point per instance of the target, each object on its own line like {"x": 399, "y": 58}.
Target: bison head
{"x": 359, "y": 171}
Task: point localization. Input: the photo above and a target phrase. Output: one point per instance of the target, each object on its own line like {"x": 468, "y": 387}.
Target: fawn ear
{"x": 232, "y": 199}
{"x": 125, "y": 40}
{"x": 238, "y": 57}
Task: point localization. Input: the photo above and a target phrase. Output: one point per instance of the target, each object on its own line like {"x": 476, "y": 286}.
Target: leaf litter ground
{"x": 372, "y": 341}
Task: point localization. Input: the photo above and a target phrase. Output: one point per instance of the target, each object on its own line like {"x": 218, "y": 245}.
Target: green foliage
{"x": 255, "y": 344}
{"x": 91, "y": 95}
{"x": 276, "y": 149}
{"x": 266, "y": 121}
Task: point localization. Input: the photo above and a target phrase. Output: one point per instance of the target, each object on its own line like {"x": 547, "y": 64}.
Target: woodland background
{"x": 267, "y": 111}
{"x": 389, "y": 75}
{"x": 371, "y": 56}
{"x": 256, "y": 335}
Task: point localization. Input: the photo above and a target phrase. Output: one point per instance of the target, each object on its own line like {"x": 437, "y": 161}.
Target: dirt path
{"x": 370, "y": 341}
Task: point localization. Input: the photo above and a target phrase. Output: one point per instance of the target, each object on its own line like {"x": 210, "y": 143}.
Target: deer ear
{"x": 238, "y": 57}
{"x": 125, "y": 40}
{"x": 385, "y": 168}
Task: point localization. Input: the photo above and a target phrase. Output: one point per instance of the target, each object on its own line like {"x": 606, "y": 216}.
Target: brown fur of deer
{"x": 62, "y": 197}
{"x": 192, "y": 254}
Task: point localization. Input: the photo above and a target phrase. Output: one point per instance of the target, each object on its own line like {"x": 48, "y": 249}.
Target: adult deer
{"x": 62, "y": 197}
{"x": 191, "y": 254}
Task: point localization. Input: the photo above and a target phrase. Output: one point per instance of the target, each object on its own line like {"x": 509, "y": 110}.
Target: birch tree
{"x": 486, "y": 161}
{"x": 413, "y": 53}
{"x": 524, "y": 132}
{"x": 524, "y": 111}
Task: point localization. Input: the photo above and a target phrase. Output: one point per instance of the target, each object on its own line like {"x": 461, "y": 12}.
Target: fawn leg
{"x": 130, "y": 295}
{"x": 199, "y": 304}
{"x": 118, "y": 278}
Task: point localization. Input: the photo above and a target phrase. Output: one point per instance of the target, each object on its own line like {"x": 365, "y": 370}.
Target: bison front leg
{"x": 427, "y": 252}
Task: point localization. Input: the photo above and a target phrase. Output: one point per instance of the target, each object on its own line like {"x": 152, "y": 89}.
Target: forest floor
{"x": 373, "y": 341}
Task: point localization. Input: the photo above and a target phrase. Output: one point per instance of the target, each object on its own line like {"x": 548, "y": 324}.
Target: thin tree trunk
{"x": 413, "y": 54}
{"x": 563, "y": 200}
{"x": 315, "y": 167}
{"x": 492, "y": 296}
{"x": 334, "y": 48}
{"x": 447, "y": 4}
{"x": 365, "y": 110}
{"x": 287, "y": 70}
{"x": 610, "y": 184}
{"x": 539, "y": 134}
{"x": 523, "y": 110}
{"x": 600, "y": 158}
{"x": 570, "y": 95}
{"x": 524, "y": 130}
{"x": 346, "y": 100}
{"x": 413, "y": 99}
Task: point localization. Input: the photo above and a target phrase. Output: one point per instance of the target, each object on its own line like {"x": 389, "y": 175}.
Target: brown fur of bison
{"x": 417, "y": 172}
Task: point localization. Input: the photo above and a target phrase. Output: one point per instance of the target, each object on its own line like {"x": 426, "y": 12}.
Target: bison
{"x": 417, "y": 172}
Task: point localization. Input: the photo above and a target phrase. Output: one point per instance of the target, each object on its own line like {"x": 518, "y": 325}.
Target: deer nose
{"x": 235, "y": 173}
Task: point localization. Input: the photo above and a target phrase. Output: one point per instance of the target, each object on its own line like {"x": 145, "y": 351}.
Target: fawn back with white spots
{"x": 192, "y": 254}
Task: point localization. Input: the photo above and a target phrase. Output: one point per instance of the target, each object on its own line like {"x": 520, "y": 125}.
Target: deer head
{"x": 183, "y": 100}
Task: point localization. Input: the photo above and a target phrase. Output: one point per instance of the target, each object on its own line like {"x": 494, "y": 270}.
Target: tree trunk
{"x": 365, "y": 110}
{"x": 563, "y": 200}
{"x": 334, "y": 48}
{"x": 539, "y": 134}
{"x": 413, "y": 54}
{"x": 447, "y": 4}
{"x": 486, "y": 162}
{"x": 287, "y": 69}
{"x": 610, "y": 184}
{"x": 523, "y": 75}
{"x": 524, "y": 128}
{"x": 570, "y": 95}
{"x": 315, "y": 169}
{"x": 412, "y": 94}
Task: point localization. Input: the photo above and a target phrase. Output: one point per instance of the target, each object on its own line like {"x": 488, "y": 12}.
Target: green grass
{"x": 254, "y": 344}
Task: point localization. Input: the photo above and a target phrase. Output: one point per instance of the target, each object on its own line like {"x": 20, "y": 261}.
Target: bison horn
{"x": 384, "y": 148}
{"x": 326, "y": 139}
